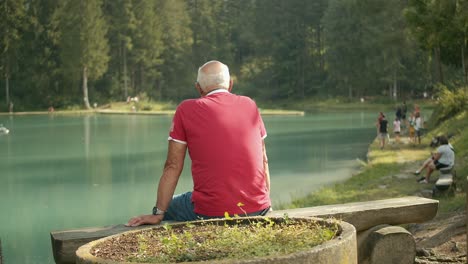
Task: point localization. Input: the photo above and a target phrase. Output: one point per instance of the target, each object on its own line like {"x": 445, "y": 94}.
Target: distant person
{"x": 224, "y": 134}
{"x": 377, "y": 124}
{"x": 10, "y": 107}
{"x": 404, "y": 113}
{"x": 51, "y": 109}
{"x": 416, "y": 109}
{"x": 397, "y": 129}
{"x": 404, "y": 110}
{"x": 398, "y": 113}
{"x": 383, "y": 132}
{"x": 411, "y": 131}
{"x": 443, "y": 158}
{"x": 418, "y": 127}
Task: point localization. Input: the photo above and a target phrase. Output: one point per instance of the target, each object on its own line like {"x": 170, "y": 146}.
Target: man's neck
{"x": 217, "y": 90}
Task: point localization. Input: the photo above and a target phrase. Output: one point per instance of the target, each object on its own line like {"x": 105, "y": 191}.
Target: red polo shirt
{"x": 224, "y": 134}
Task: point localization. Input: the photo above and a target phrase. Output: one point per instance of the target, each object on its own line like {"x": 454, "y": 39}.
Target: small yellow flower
{"x": 226, "y": 215}
{"x": 240, "y": 204}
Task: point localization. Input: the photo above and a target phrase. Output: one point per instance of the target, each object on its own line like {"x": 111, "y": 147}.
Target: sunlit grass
{"x": 141, "y": 106}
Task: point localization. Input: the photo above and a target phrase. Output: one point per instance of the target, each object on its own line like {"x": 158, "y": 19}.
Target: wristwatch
{"x": 157, "y": 211}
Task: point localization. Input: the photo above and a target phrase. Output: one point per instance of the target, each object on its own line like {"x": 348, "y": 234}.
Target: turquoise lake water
{"x": 63, "y": 172}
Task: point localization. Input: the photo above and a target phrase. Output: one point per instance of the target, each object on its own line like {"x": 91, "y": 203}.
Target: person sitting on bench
{"x": 444, "y": 158}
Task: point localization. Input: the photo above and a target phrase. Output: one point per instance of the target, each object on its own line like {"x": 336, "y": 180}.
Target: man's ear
{"x": 231, "y": 83}
{"x": 199, "y": 89}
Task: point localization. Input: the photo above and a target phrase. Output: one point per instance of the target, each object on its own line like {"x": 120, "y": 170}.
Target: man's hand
{"x": 145, "y": 219}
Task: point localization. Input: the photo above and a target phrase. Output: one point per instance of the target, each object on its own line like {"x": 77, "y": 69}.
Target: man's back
{"x": 224, "y": 134}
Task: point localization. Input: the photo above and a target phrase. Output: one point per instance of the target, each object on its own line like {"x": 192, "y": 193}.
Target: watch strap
{"x": 157, "y": 211}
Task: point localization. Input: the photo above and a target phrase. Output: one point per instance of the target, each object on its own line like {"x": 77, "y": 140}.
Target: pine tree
{"x": 11, "y": 29}
{"x": 83, "y": 42}
{"x": 148, "y": 46}
{"x": 177, "y": 38}
{"x": 122, "y": 29}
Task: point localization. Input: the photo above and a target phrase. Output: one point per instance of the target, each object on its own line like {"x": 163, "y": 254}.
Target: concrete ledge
{"x": 341, "y": 249}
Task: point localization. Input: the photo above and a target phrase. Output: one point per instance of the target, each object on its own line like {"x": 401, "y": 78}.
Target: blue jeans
{"x": 181, "y": 209}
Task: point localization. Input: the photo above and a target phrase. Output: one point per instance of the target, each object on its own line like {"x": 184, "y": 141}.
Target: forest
{"x": 80, "y": 52}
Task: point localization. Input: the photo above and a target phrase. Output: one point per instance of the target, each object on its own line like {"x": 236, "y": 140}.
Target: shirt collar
{"x": 219, "y": 90}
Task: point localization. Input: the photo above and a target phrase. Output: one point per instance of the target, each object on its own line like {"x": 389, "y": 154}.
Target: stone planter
{"x": 341, "y": 249}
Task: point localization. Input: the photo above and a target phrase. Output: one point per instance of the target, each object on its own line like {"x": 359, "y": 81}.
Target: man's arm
{"x": 265, "y": 166}
{"x": 167, "y": 184}
{"x": 436, "y": 156}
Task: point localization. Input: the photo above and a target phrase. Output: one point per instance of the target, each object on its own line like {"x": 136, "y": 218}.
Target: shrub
{"x": 449, "y": 103}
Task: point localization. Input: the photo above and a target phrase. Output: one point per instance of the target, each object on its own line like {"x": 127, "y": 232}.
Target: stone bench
{"x": 372, "y": 220}
{"x": 445, "y": 184}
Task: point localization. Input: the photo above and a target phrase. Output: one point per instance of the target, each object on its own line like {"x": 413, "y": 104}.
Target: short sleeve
{"x": 443, "y": 149}
{"x": 261, "y": 125}
{"x": 177, "y": 130}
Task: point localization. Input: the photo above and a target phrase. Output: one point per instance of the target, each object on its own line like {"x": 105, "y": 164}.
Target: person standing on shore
{"x": 397, "y": 129}
{"x": 224, "y": 134}
{"x": 377, "y": 124}
{"x": 418, "y": 126}
{"x": 383, "y": 132}
{"x": 403, "y": 120}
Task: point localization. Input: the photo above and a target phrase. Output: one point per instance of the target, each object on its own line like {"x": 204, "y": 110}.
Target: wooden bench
{"x": 363, "y": 215}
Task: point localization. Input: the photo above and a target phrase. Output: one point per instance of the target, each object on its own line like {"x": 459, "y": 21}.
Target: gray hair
{"x": 221, "y": 78}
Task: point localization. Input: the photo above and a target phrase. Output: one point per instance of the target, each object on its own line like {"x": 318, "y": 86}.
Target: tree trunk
{"x": 321, "y": 57}
{"x": 438, "y": 64}
{"x": 7, "y": 89}
{"x": 465, "y": 73}
{"x": 395, "y": 87}
{"x": 125, "y": 72}
{"x": 350, "y": 88}
{"x": 390, "y": 90}
{"x": 85, "y": 88}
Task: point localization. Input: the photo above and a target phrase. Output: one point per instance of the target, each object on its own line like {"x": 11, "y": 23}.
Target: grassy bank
{"x": 389, "y": 172}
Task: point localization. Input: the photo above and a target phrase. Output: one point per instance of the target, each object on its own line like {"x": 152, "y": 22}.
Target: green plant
{"x": 235, "y": 238}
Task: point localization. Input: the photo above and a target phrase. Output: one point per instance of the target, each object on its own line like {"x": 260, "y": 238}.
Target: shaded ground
{"x": 442, "y": 240}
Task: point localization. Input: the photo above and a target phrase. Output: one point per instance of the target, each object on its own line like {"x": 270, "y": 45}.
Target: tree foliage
{"x": 57, "y": 52}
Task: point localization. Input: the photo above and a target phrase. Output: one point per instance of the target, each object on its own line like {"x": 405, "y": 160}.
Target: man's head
{"x": 213, "y": 75}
